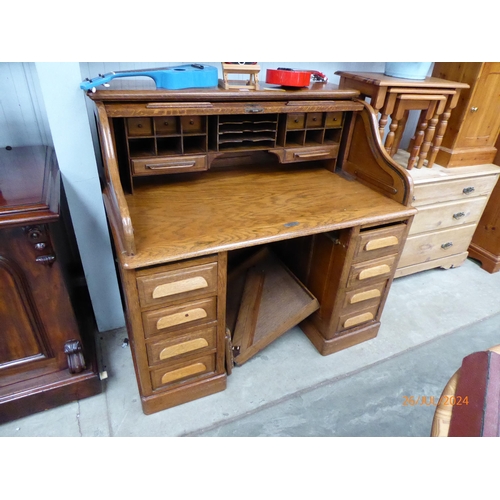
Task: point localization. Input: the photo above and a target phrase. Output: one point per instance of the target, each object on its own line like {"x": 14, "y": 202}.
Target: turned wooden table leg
{"x": 417, "y": 141}
{"x": 441, "y": 129}
{"x": 428, "y": 134}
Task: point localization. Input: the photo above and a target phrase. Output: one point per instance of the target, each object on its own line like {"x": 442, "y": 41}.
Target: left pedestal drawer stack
{"x": 180, "y": 310}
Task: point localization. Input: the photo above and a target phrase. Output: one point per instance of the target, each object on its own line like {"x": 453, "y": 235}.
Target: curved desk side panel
{"x": 368, "y": 161}
{"x": 114, "y": 198}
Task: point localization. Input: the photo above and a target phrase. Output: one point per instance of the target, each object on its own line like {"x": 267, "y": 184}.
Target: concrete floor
{"x": 431, "y": 321}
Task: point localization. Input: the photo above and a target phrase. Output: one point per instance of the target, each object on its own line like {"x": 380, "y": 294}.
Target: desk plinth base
{"x": 184, "y": 394}
{"x": 329, "y": 346}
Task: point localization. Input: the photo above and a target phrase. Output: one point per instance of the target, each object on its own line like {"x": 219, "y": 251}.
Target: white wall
{"x": 66, "y": 112}
{"x": 41, "y": 103}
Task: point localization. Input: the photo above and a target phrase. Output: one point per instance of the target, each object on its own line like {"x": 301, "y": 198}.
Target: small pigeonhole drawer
{"x": 295, "y": 120}
{"x": 138, "y": 127}
{"x": 334, "y": 119}
{"x": 314, "y": 120}
{"x": 167, "y": 125}
{"x": 193, "y": 124}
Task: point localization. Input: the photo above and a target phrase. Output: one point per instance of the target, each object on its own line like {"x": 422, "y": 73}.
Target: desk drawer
{"x": 334, "y": 119}
{"x": 195, "y": 341}
{"x": 376, "y": 243}
{"x": 367, "y": 273}
{"x": 169, "y": 165}
{"x": 182, "y": 371}
{"x": 352, "y": 319}
{"x": 460, "y": 189}
{"x": 174, "y": 318}
{"x": 449, "y": 214}
{"x": 429, "y": 246}
{"x": 139, "y": 127}
{"x": 171, "y": 285}
{"x": 295, "y": 120}
{"x": 291, "y": 155}
{"x": 361, "y": 298}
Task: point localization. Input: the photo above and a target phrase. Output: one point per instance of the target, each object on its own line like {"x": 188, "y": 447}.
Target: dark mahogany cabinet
{"x": 47, "y": 352}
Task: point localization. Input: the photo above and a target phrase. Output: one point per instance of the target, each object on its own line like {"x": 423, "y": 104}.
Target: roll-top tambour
{"x": 388, "y": 241}
{"x": 182, "y": 348}
{"x": 183, "y": 372}
{"x": 180, "y": 318}
{"x": 372, "y": 272}
{"x": 182, "y": 286}
{"x": 356, "y": 320}
{"x": 366, "y": 295}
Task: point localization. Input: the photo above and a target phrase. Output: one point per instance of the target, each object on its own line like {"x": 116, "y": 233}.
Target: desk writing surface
{"x": 225, "y": 210}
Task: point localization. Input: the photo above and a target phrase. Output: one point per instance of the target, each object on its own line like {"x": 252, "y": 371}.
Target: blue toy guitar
{"x": 171, "y": 78}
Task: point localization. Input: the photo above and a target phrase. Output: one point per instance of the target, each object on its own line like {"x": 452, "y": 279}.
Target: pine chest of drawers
{"x": 450, "y": 202}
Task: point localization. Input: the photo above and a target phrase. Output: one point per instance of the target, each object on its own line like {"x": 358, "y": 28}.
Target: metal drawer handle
{"x": 459, "y": 215}
{"x": 446, "y": 245}
{"x": 468, "y": 190}
{"x": 254, "y": 110}
{"x": 162, "y": 166}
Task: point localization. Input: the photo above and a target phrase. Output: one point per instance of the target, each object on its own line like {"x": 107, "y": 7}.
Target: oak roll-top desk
{"x": 237, "y": 215}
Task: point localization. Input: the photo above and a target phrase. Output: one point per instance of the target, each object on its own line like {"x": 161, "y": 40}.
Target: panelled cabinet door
{"x": 36, "y": 320}
{"x": 483, "y": 122}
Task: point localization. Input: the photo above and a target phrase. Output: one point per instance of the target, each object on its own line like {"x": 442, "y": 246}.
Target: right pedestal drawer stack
{"x": 450, "y": 202}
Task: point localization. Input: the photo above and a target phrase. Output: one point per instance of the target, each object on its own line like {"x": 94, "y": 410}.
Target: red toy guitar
{"x": 288, "y": 77}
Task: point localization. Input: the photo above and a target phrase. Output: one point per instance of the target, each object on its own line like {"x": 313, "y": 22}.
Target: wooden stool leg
{"x": 420, "y": 118}
{"x": 417, "y": 143}
{"x": 443, "y": 124}
{"x": 390, "y": 136}
{"x": 399, "y": 133}
{"x": 385, "y": 112}
{"x": 429, "y": 136}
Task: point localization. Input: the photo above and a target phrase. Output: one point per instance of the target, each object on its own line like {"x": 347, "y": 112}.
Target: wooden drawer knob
{"x": 176, "y": 287}
{"x": 183, "y": 372}
{"x": 182, "y": 348}
{"x": 356, "y": 320}
{"x": 180, "y": 318}
{"x": 371, "y": 272}
{"x": 389, "y": 241}
{"x": 362, "y": 296}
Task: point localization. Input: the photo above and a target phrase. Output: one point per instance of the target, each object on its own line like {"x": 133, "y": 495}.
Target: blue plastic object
{"x": 409, "y": 70}
{"x": 171, "y": 78}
